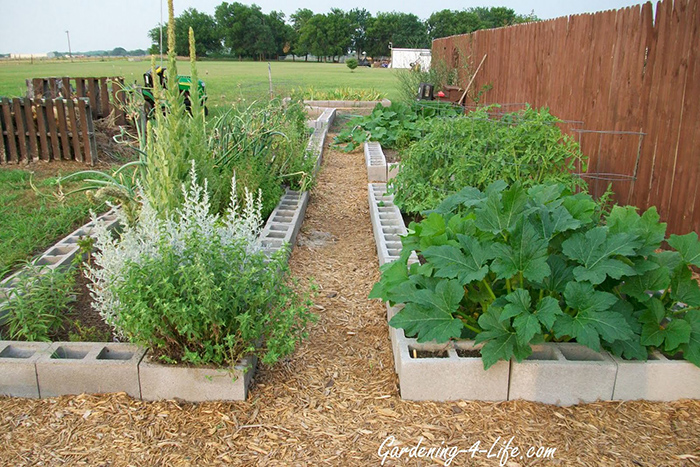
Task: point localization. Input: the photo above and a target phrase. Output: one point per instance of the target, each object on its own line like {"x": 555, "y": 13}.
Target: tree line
{"x": 245, "y": 32}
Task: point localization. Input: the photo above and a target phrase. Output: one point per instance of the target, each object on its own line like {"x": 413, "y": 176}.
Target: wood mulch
{"x": 336, "y": 400}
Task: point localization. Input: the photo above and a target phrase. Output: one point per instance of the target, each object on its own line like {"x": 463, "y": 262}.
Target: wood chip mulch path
{"x": 336, "y": 401}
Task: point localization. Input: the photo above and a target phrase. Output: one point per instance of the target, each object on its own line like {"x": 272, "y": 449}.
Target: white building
{"x": 407, "y": 58}
{"x": 28, "y": 56}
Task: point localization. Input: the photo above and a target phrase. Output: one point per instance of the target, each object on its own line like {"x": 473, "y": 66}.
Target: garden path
{"x": 336, "y": 400}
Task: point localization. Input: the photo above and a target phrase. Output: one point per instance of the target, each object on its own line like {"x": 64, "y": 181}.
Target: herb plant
{"x": 511, "y": 267}
{"x": 476, "y": 149}
{"x": 196, "y": 287}
{"x": 37, "y": 305}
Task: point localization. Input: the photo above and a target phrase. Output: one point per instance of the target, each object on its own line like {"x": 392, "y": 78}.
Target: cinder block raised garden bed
{"x": 38, "y": 369}
{"x": 556, "y": 373}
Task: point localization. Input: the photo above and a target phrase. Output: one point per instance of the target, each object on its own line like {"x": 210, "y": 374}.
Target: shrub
{"x": 195, "y": 287}
{"x": 351, "y": 63}
{"x": 515, "y": 267}
{"x": 476, "y": 149}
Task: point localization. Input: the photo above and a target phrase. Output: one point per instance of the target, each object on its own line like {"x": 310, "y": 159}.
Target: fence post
{"x": 31, "y": 129}
{"x": 41, "y": 127}
{"x": 75, "y": 130}
{"x": 63, "y": 127}
{"x": 88, "y": 132}
{"x": 19, "y": 125}
{"x": 53, "y": 134}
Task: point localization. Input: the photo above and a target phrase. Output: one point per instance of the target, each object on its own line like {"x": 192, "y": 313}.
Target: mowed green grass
{"x": 226, "y": 81}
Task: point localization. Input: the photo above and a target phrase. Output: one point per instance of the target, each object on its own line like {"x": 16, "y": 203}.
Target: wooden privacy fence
{"x": 104, "y": 93}
{"x": 632, "y": 76}
{"x": 46, "y": 129}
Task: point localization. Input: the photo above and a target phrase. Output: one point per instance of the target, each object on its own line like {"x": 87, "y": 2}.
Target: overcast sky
{"x": 40, "y": 26}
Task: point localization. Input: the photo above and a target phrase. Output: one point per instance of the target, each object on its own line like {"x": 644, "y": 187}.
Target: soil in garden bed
{"x": 391, "y": 155}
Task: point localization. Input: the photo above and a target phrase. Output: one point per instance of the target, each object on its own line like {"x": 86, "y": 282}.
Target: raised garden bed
{"x": 556, "y": 373}
{"x": 39, "y": 369}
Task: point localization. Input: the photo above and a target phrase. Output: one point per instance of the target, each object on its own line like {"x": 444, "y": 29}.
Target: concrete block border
{"x": 378, "y": 169}
{"x": 342, "y": 104}
{"x": 657, "y": 379}
{"x": 563, "y": 374}
{"x": 39, "y": 369}
{"x": 89, "y": 367}
{"x": 375, "y": 162}
{"x": 445, "y": 372}
{"x": 556, "y": 373}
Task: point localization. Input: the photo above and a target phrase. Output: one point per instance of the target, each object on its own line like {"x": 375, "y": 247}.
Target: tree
{"x": 314, "y": 36}
{"x": 351, "y": 63}
{"x": 119, "y": 52}
{"x": 401, "y": 29}
{"x": 282, "y": 33}
{"x": 205, "y": 30}
{"x": 339, "y": 30}
{"x": 359, "y": 21}
{"x": 299, "y": 19}
{"x": 450, "y": 22}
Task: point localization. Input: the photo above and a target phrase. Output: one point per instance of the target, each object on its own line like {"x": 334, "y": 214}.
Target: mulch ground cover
{"x": 336, "y": 400}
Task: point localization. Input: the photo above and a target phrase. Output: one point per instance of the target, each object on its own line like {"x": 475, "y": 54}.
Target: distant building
{"x": 28, "y": 56}
{"x": 408, "y": 58}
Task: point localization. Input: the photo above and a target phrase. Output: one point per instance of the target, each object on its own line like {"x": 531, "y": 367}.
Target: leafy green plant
{"x": 511, "y": 267}
{"x": 196, "y": 287}
{"x": 37, "y": 305}
{"x": 439, "y": 75}
{"x": 476, "y": 149}
{"x": 351, "y": 63}
{"x": 395, "y": 127}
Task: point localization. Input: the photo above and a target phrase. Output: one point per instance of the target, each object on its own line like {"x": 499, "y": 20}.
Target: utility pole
{"x": 70, "y": 54}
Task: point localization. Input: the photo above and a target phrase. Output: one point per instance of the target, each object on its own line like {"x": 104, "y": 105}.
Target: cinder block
{"x": 387, "y": 224}
{"x": 375, "y": 162}
{"x": 563, "y": 374}
{"x": 17, "y": 368}
{"x": 657, "y": 379}
{"x": 284, "y": 223}
{"x": 89, "y": 367}
{"x": 159, "y": 381}
{"x": 443, "y": 372}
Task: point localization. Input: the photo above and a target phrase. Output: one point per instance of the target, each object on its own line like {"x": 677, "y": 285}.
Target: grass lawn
{"x": 226, "y": 81}
{"x": 33, "y": 220}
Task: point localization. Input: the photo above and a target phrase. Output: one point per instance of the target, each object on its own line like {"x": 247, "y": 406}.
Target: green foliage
{"x": 525, "y": 146}
{"x": 452, "y": 22}
{"x": 264, "y": 144}
{"x": 351, "y": 63}
{"x": 37, "y": 305}
{"x": 510, "y": 267}
{"x": 395, "y": 126}
{"x": 439, "y": 75}
{"x": 338, "y": 94}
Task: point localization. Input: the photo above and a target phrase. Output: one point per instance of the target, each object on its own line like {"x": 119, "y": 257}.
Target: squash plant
{"x": 511, "y": 267}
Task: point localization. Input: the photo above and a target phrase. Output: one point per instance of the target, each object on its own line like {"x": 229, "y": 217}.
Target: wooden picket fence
{"x": 46, "y": 129}
{"x": 630, "y": 76}
{"x": 103, "y": 92}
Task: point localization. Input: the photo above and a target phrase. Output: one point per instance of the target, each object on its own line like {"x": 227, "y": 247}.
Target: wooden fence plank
{"x": 104, "y": 98}
{"x": 31, "y": 129}
{"x": 66, "y": 89}
{"x": 3, "y": 154}
{"x": 40, "y": 109}
{"x": 75, "y": 130}
{"x": 10, "y": 130}
{"x": 19, "y": 126}
{"x": 80, "y": 90}
{"x": 93, "y": 89}
{"x": 86, "y": 132}
{"x": 62, "y": 120}
{"x": 53, "y": 133}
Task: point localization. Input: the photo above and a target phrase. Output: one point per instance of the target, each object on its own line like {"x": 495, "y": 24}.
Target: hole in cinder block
{"x": 386, "y": 209}
{"x": 276, "y": 234}
{"x": 393, "y": 245}
{"x": 60, "y": 250}
{"x": 675, "y": 356}
{"x": 282, "y": 219}
{"x": 580, "y": 354}
{"x": 48, "y": 260}
{"x": 287, "y": 213}
{"x": 112, "y": 354}
{"x": 67, "y": 353}
{"x": 12, "y": 351}
{"x": 81, "y": 233}
{"x": 422, "y": 353}
{"x": 70, "y": 240}
{"x": 543, "y": 353}
{"x": 391, "y": 230}
{"x": 279, "y": 227}
{"x": 468, "y": 353}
